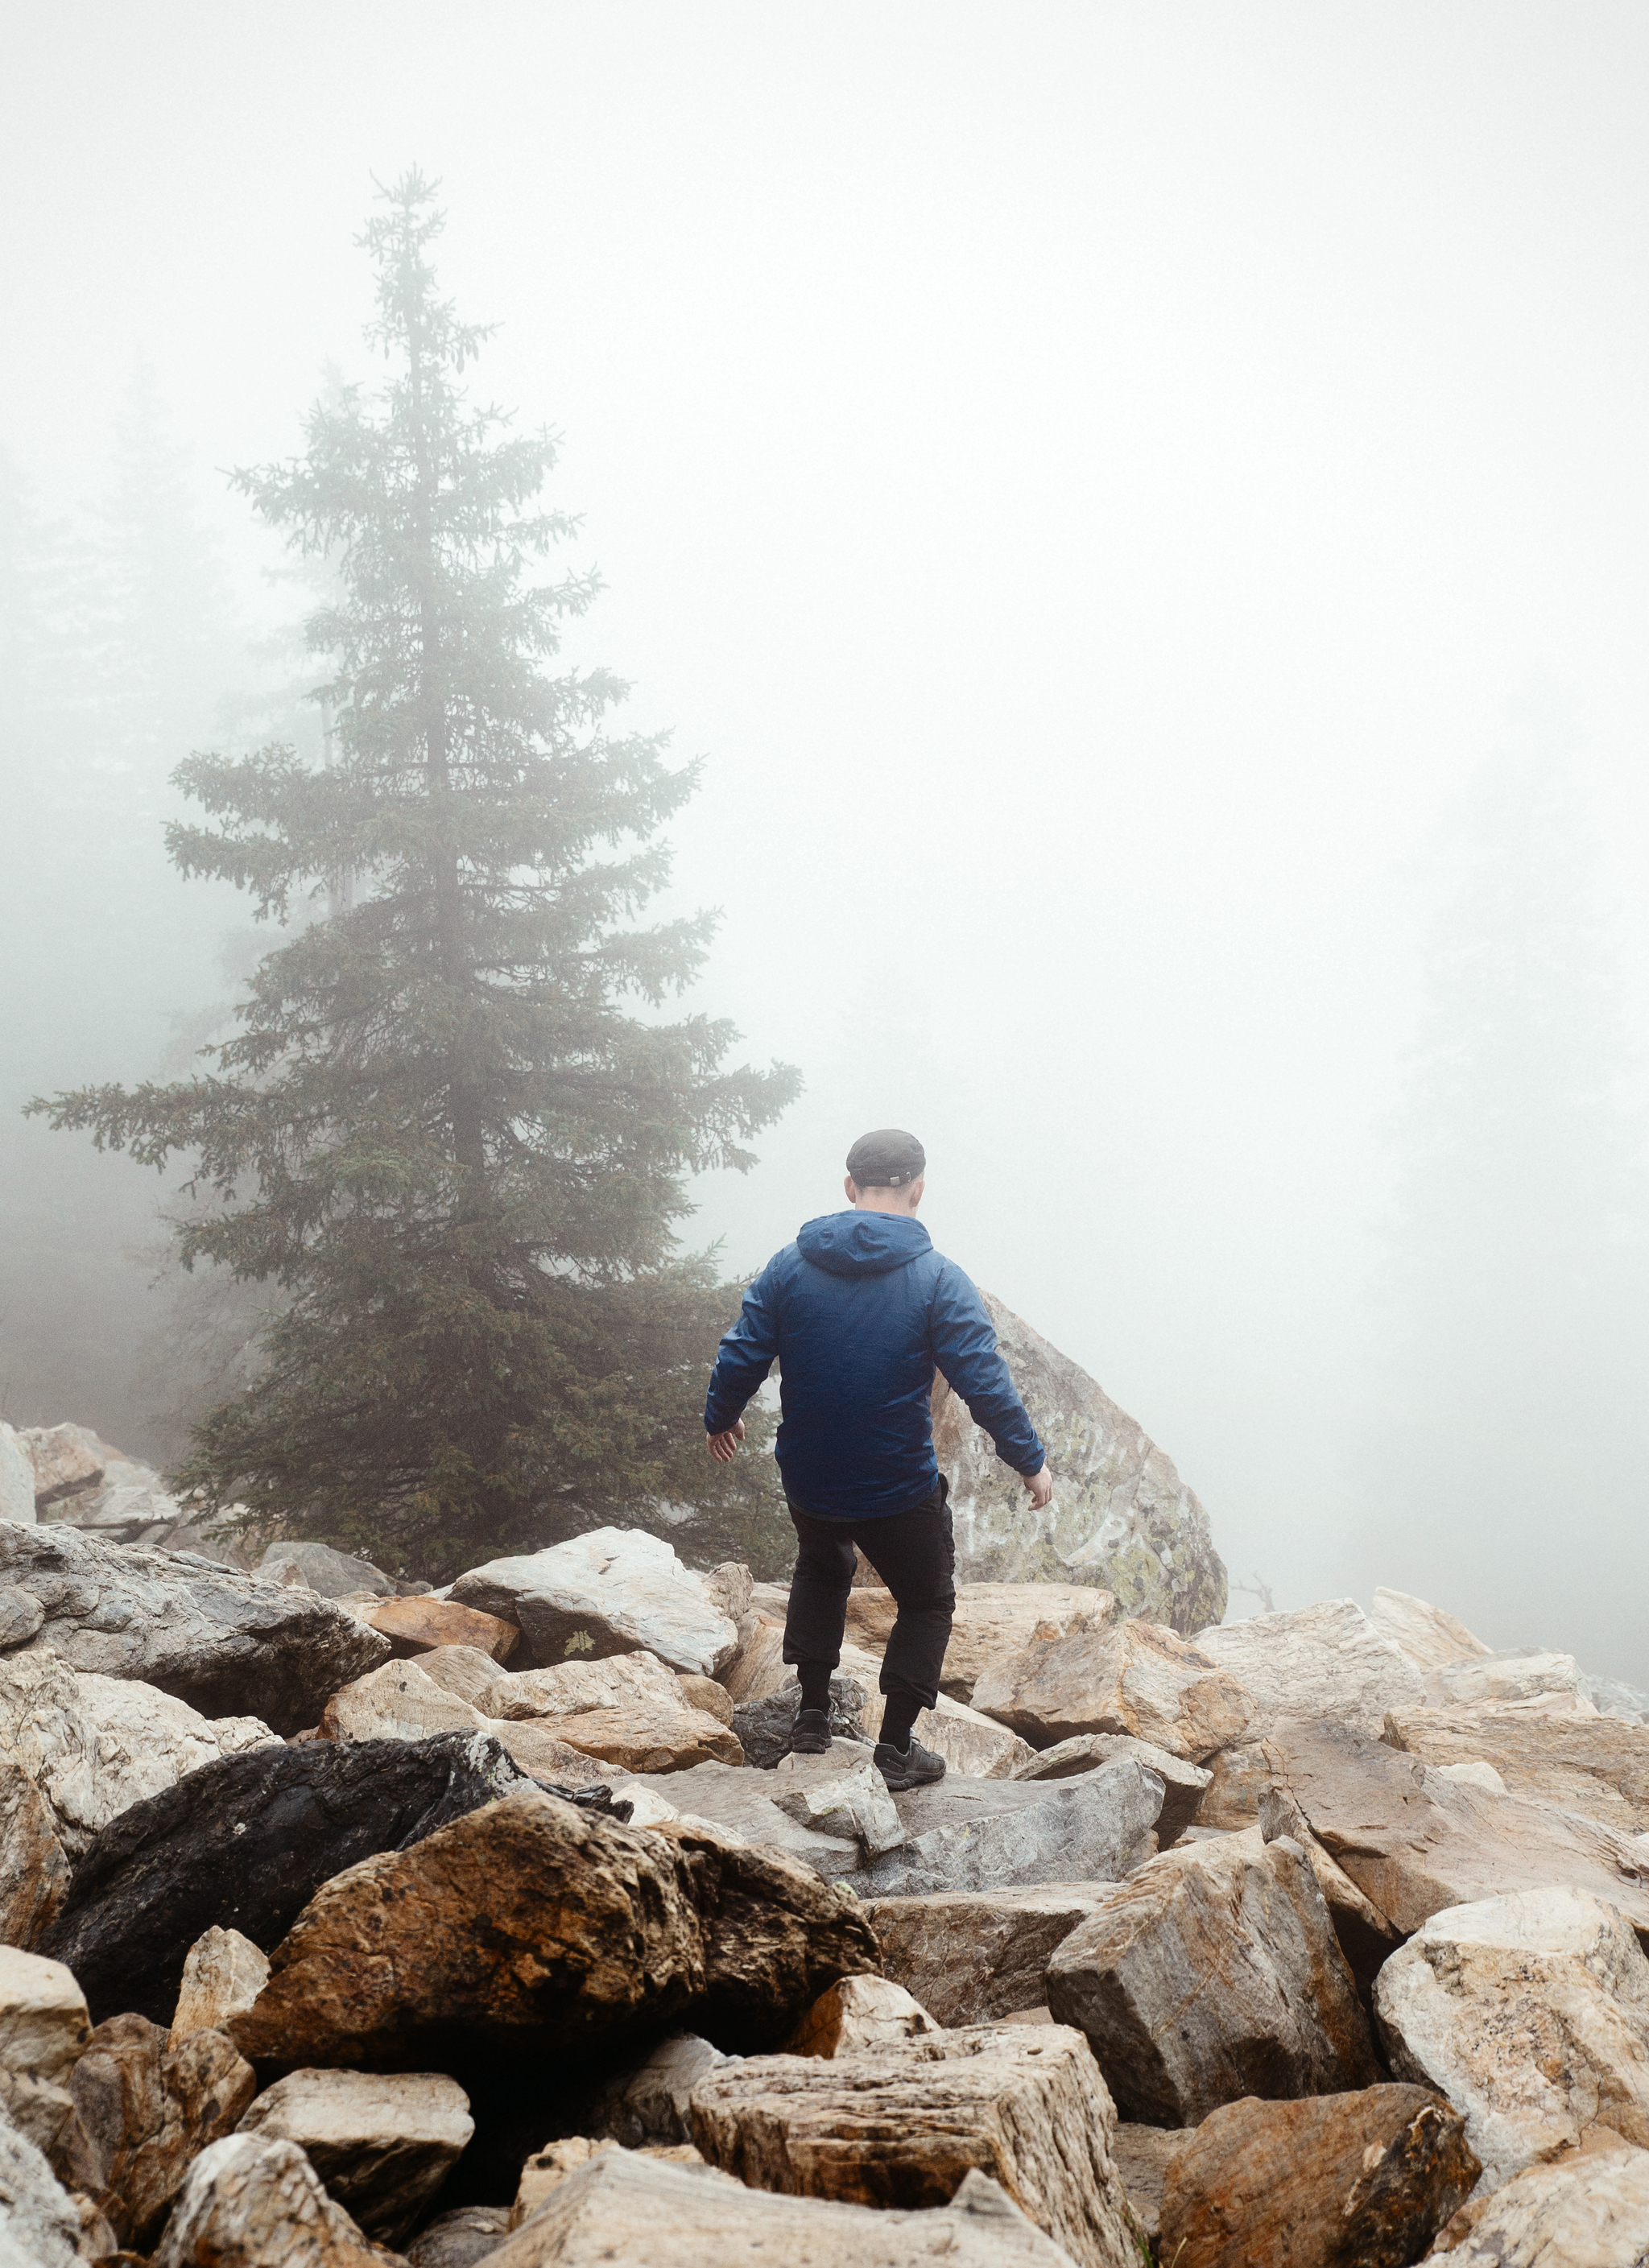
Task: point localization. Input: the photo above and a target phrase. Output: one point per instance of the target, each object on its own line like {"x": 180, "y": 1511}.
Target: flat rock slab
{"x": 415, "y": 1626}
{"x": 1213, "y": 1973}
{"x": 1414, "y": 1843}
{"x": 1184, "y": 1784}
{"x": 227, "y": 1643}
{"x": 244, "y": 1845}
{"x": 1130, "y": 1677}
{"x": 622, "y": 2207}
{"x": 253, "y": 2202}
{"x": 1588, "y": 2212}
{"x": 399, "y": 1701}
{"x": 1322, "y": 1660}
{"x": 991, "y": 1619}
{"x": 383, "y": 2142}
{"x": 741, "y": 1799}
{"x": 992, "y": 1834}
{"x": 1595, "y": 1765}
{"x": 972, "y": 1957}
{"x": 902, "y": 2126}
{"x": 1343, "y": 2181}
{"x": 148, "y": 2106}
{"x": 530, "y": 1927}
{"x": 1531, "y": 2014}
{"x": 616, "y": 1590}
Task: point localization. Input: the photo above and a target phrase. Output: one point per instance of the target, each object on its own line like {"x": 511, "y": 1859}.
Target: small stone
{"x": 860, "y": 2012}
{"x": 223, "y": 1974}
{"x": 382, "y": 2142}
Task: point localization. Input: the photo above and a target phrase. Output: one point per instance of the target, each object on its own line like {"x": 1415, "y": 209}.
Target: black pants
{"x": 914, "y": 1555}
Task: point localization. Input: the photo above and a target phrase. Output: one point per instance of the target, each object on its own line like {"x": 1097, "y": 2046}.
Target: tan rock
{"x": 707, "y": 1694}
{"x": 1343, "y": 2181}
{"x": 401, "y": 1701}
{"x": 1414, "y": 1843}
{"x": 1365, "y": 1937}
{"x": 901, "y": 2126}
{"x": 970, "y": 1956}
{"x": 1424, "y": 1634}
{"x": 1239, "y": 1777}
{"x": 44, "y": 2028}
{"x": 1595, "y": 1765}
{"x": 972, "y": 1744}
{"x": 757, "y": 1668}
{"x": 415, "y": 1625}
{"x": 383, "y": 2142}
{"x": 858, "y": 2013}
{"x": 1141, "y": 2155}
{"x": 530, "y": 1923}
{"x": 68, "y": 1460}
{"x": 637, "y": 2205}
{"x": 468, "y": 1671}
{"x": 992, "y": 1620}
{"x": 223, "y": 1976}
{"x": 1322, "y": 1660}
{"x": 248, "y": 2202}
{"x": 1531, "y": 2014}
{"x": 628, "y": 1709}
{"x": 1588, "y": 2211}
{"x": 148, "y": 2107}
{"x": 1184, "y": 1784}
{"x": 1132, "y": 1677}
{"x": 1211, "y": 1973}
{"x": 1528, "y": 1677}
{"x": 34, "y": 1867}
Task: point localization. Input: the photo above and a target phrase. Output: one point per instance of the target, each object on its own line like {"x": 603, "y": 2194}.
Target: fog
{"x": 1144, "y": 511}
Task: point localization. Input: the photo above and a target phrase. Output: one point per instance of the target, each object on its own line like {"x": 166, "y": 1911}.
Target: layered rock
{"x": 382, "y": 2142}
{"x": 1594, "y": 1764}
{"x": 1364, "y": 1935}
{"x": 902, "y": 2126}
{"x": 860, "y": 2013}
{"x": 983, "y": 1835}
{"x": 1531, "y": 2014}
{"x": 1590, "y": 2210}
{"x": 1344, "y": 2181}
{"x": 33, "y": 1865}
{"x": 1212, "y": 1973}
{"x": 244, "y": 1845}
{"x": 615, "y": 1590}
{"x": 226, "y": 1644}
{"x": 839, "y": 1793}
{"x": 252, "y": 2202}
{"x": 461, "y": 2237}
{"x": 972, "y": 1956}
{"x": 1322, "y": 1660}
{"x": 992, "y": 1619}
{"x": 1131, "y": 1677}
{"x": 148, "y": 2107}
{"x": 530, "y": 1927}
{"x": 1121, "y": 1519}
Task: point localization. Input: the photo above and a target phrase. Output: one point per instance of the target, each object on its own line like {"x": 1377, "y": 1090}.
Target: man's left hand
{"x": 725, "y": 1446}
{"x": 1041, "y": 1488}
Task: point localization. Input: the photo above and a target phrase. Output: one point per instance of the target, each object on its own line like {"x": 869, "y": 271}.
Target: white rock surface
{"x": 991, "y": 1619}
{"x": 647, "y": 2107}
{"x": 616, "y": 1590}
{"x": 1474, "y": 1772}
{"x": 840, "y": 1794}
{"x": 94, "y": 1745}
{"x": 254, "y": 2201}
{"x": 44, "y": 2030}
{"x": 1425, "y": 1635}
{"x": 383, "y": 2142}
{"x": 39, "y": 2227}
{"x": 223, "y": 1976}
{"x": 1322, "y": 1660}
{"x": 733, "y": 1796}
{"x": 1591, "y": 2211}
{"x": 1494, "y": 1679}
{"x": 67, "y": 1461}
{"x": 860, "y": 2011}
{"x": 986, "y": 1835}
{"x": 1531, "y": 2014}
{"x": 16, "y": 1480}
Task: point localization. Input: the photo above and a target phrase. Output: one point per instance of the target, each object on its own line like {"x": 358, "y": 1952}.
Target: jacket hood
{"x": 863, "y": 1243}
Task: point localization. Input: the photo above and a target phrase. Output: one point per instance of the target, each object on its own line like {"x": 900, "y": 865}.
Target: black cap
{"x": 886, "y": 1159}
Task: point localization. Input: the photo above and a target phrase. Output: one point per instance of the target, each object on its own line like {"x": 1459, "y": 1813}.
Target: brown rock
{"x": 1596, "y": 1765}
{"x": 415, "y": 1625}
{"x": 858, "y": 2013}
{"x": 1326, "y": 1659}
{"x": 970, "y": 1956}
{"x": 902, "y": 2126}
{"x": 33, "y": 1866}
{"x": 1211, "y": 1973}
{"x": 1366, "y": 1938}
{"x": 1132, "y": 1677}
{"x": 531, "y": 1925}
{"x": 629, "y": 1710}
{"x": 383, "y": 2142}
{"x": 758, "y": 1666}
{"x": 148, "y": 2109}
{"x": 401, "y": 1701}
{"x": 992, "y": 1620}
{"x": 1340, "y": 2181}
{"x": 251, "y": 2203}
{"x": 1238, "y": 1779}
{"x": 1142, "y": 2154}
{"x": 223, "y": 1976}
{"x": 707, "y": 1694}
{"x": 1414, "y": 1843}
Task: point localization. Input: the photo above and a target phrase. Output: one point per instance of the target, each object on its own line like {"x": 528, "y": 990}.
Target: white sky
{"x": 1096, "y": 479}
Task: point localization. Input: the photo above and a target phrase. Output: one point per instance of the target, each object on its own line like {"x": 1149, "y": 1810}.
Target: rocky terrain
{"x": 348, "y": 1922}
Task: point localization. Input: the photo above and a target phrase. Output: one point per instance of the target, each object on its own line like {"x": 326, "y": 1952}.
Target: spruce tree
{"x": 437, "y": 1135}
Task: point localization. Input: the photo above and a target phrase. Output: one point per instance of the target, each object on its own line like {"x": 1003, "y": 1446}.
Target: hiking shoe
{"x": 912, "y": 1767}
{"x": 810, "y": 1734}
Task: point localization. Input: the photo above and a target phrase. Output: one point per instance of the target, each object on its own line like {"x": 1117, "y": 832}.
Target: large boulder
{"x": 1121, "y": 1519}
{"x": 1594, "y": 1764}
{"x": 629, "y": 1710}
{"x": 990, "y": 1834}
{"x": 399, "y": 1701}
{"x": 972, "y": 1957}
{"x": 244, "y": 1845}
{"x": 991, "y": 1619}
{"x": 614, "y": 1590}
{"x": 383, "y": 2142}
{"x": 1132, "y": 1677}
{"x": 417, "y": 1625}
{"x": 1184, "y": 1784}
{"x": 1588, "y": 2211}
{"x": 740, "y": 1802}
{"x": 1212, "y": 1973}
{"x": 148, "y": 2107}
{"x": 224, "y": 1643}
{"x": 1531, "y": 2014}
{"x": 1425, "y": 1635}
{"x": 16, "y": 1480}
{"x": 901, "y": 2126}
{"x": 1414, "y": 1841}
{"x": 67, "y": 1461}
{"x": 1322, "y": 1660}
{"x": 1341, "y": 2181}
{"x": 840, "y": 1794}
{"x": 250, "y": 2202}
{"x": 94, "y": 1745}
{"x": 620, "y": 2205}
{"x": 533, "y": 1928}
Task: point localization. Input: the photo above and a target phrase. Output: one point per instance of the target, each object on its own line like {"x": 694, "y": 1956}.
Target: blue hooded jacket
{"x": 859, "y": 1313}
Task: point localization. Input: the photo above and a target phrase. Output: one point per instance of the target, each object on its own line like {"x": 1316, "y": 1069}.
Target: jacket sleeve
{"x": 964, "y": 1349}
{"x": 746, "y": 1355}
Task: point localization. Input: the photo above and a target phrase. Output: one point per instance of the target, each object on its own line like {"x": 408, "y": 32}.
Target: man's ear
{"x": 917, "y": 1189}
{"x": 853, "y": 1195}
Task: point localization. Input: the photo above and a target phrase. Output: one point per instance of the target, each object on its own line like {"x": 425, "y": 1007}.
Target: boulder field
{"x": 340, "y": 1924}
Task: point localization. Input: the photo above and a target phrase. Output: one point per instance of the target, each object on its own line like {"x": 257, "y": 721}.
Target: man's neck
{"x": 884, "y": 1201}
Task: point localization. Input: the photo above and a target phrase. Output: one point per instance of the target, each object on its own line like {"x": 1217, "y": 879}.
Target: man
{"x": 859, "y": 1313}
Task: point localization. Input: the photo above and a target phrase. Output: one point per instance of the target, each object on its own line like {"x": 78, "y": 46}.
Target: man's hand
{"x": 725, "y": 1446}
{"x": 1040, "y": 1484}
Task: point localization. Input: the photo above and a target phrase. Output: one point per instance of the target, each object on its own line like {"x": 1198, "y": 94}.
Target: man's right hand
{"x": 1041, "y": 1488}
{"x": 725, "y": 1446}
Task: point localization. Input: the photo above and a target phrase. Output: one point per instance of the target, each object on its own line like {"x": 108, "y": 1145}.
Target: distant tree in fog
{"x": 436, "y": 1135}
